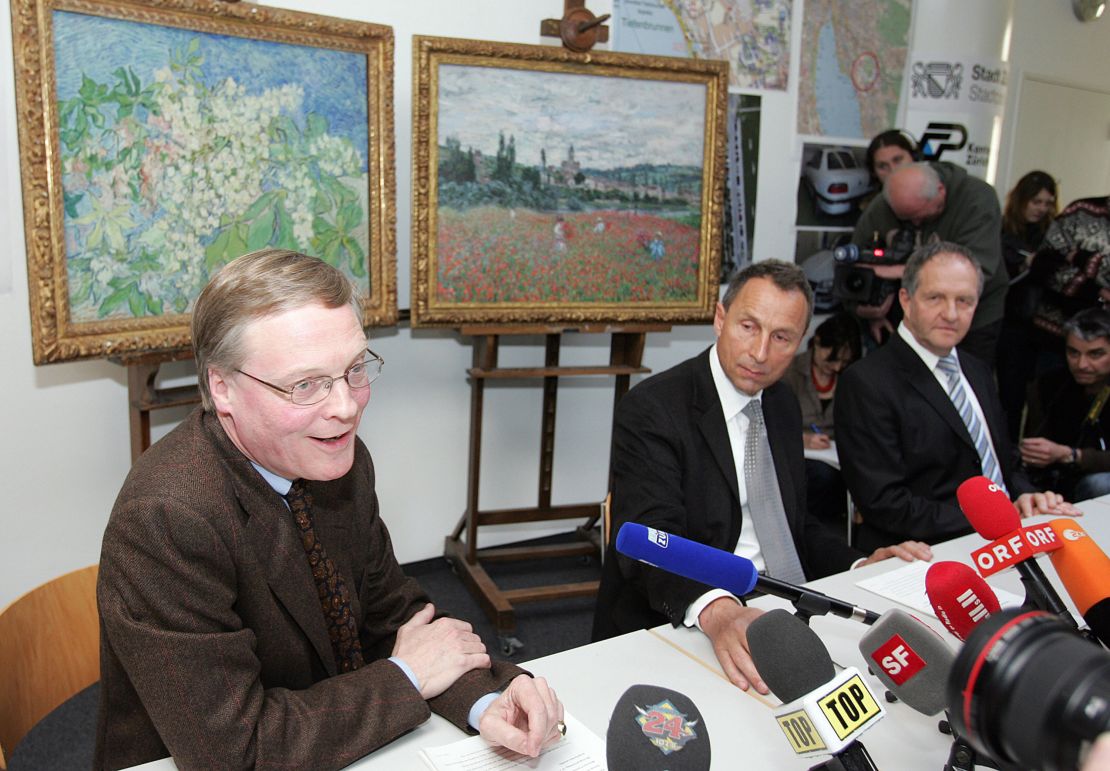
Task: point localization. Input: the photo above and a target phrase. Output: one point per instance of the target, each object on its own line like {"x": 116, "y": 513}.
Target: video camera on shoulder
{"x": 855, "y": 283}
{"x": 876, "y": 254}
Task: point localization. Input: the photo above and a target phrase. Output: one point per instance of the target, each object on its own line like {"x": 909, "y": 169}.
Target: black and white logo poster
{"x": 955, "y": 107}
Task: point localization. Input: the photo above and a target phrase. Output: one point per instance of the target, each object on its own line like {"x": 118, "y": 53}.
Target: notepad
{"x": 579, "y": 750}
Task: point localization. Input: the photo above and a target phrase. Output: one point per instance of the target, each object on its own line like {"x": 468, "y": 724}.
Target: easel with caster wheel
{"x": 461, "y": 547}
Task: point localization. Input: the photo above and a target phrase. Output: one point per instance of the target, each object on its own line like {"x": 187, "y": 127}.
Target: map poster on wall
{"x": 753, "y": 36}
{"x": 852, "y": 62}
{"x": 955, "y": 109}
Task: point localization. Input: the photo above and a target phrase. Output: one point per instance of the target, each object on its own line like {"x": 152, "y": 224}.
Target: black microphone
{"x": 823, "y": 712}
{"x": 656, "y": 728}
{"x": 725, "y": 570}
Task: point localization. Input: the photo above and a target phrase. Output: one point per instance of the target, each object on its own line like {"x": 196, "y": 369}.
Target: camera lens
{"x": 856, "y": 281}
{"x": 1027, "y": 690}
{"x": 846, "y": 253}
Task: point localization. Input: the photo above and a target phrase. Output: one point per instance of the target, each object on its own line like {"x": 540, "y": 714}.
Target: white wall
{"x": 65, "y": 439}
{"x": 1050, "y": 44}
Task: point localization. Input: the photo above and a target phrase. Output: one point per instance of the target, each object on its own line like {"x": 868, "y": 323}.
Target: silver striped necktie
{"x": 980, "y": 437}
{"x": 765, "y": 502}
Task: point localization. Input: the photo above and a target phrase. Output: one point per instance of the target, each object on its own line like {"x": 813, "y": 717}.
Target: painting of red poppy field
{"x": 565, "y": 193}
{"x": 495, "y": 255}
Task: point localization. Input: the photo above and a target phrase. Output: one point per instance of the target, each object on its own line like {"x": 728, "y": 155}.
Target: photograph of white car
{"x": 834, "y": 177}
{"x": 813, "y": 250}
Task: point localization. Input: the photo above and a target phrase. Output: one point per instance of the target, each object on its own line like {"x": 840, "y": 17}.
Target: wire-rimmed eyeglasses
{"x": 312, "y": 390}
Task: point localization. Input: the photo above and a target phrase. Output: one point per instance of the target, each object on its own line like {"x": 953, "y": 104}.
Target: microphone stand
{"x": 854, "y": 757}
{"x": 1040, "y": 594}
{"x": 808, "y": 604}
{"x": 962, "y": 757}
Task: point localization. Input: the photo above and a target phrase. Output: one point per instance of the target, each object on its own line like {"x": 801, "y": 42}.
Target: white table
{"x": 590, "y": 679}
{"x": 905, "y": 738}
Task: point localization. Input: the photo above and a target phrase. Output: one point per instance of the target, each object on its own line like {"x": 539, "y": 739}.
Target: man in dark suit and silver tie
{"x": 712, "y": 450}
{"x": 916, "y": 418}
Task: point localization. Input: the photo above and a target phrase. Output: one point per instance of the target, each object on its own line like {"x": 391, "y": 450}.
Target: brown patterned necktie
{"x": 335, "y": 601}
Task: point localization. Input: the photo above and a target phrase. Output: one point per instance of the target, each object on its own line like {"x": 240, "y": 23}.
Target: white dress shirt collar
{"x": 923, "y": 353}
{"x": 281, "y": 485}
{"x": 733, "y": 400}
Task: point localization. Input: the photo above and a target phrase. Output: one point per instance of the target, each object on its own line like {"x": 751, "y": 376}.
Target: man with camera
{"x": 922, "y": 203}
{"x": 916, "y": 418}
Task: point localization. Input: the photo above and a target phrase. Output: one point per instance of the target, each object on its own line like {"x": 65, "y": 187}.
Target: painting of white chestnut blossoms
{"x": 181, "y": 150}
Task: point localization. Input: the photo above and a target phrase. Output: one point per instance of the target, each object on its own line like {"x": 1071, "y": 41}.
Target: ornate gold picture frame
{"x": 158, "y": 141}
{"x": 554, "y": 187}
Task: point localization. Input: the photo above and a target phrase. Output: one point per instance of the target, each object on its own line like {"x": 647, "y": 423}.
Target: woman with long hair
{"x": 1030, "y": 209}
{"x": 888, "y": 151}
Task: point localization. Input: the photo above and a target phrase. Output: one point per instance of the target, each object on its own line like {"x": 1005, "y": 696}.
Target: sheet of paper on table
{"x": 579, "y": 750}
{"x": 906, "y": 585}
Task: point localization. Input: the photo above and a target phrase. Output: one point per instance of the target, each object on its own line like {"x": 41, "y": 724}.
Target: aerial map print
{"x": 753, "y": 36}
{"x": 852, "y": 63}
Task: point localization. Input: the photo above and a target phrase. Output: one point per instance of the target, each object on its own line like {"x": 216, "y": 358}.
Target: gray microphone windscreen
{"x": 789, "y": 655}
{"x": 910, "y": 659}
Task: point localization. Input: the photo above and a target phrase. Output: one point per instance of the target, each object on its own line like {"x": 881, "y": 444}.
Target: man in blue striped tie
{"x": 917, "y": 417}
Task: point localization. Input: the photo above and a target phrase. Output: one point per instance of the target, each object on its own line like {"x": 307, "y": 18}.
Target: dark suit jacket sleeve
{"x": 389, "y": 598}
{"x": 649, "y": 454}
{"x": 870, "y": 437}
{"x": 167, "y": 607}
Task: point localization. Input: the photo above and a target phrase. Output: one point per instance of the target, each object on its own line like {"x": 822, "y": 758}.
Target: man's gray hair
{"x": 922, "y": 254}
{"x": 785, "y": 275}
{"x": 927, "y": 175}
{"x": 1089, "y": 324}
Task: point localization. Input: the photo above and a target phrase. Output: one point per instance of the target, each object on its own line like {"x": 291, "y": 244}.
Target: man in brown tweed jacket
{"x": 219, "y": 639}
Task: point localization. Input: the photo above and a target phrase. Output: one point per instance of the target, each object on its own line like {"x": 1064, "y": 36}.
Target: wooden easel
{"x": 143, "y": 397}
{"x": 625, "y": 355}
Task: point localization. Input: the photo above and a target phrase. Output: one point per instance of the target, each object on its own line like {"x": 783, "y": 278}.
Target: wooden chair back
{"x": 50, "y": 649}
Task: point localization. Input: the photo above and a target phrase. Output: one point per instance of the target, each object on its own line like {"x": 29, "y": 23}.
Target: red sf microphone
{"x": 1084, "y": 570}
{"x": 992, "y": 514}
{"x": 910, "y": 659}
{"x": 959, "y": 596}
